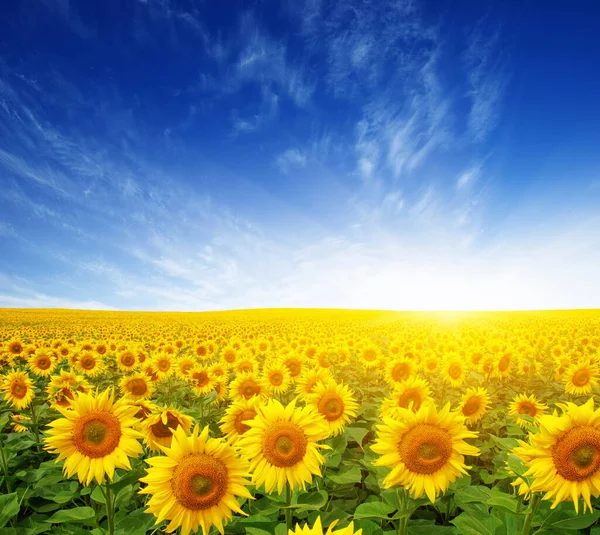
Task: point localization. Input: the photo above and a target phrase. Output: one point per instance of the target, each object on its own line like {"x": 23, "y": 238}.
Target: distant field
{"x": 255, "y": 421}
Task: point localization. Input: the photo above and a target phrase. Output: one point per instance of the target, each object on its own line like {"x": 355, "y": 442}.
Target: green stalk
{"x": 404, "y": 510}
{"x": 109, "y": 509}
{"x": 288, "y": 510}
{"x": 533, "y": 508}
{"x": 5, "y": 467}
{"x": 35, "y": 426}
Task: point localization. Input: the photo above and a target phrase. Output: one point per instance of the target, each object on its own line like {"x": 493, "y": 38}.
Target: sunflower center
{"x": 401, "y": 372}
{"x": 527, "y": 409}
{"x": 410, "y": 396}
{"x": 19, "y": 389}
{"x": 471, "y": 406}
{"x": 242, "y": 417}
{"x": 504, "y": 363}
{"x": 101, "y": 350}
{"x": 576, "y": 454}
{"x": 294, "y": 367}
{"x": 276, "y": 378}
{"x": 331, "y": 406}
{"x": 199, "y": 481}
{"x": 250, "y": 389}
{"x": 581, "y": 378}
{"x": 246, "y": 367}
{"x": 138, "y": 387}
{"x": 369, "y": 355}
{"x": 229, "y": 357}
{"x": 128, "y": 360}
{"x": 97, "y": 434}
{"x": 454, "y": 371}
{"x": 284, "y": 444}
{"x": 425, "y": 449}
{"x": 88, "y": 363}
{"x": 201, "y": 351}
{"x": 162, "y": 430}
{"x": 202, "y": 379}
{"x": 43, "y": 363}
{"x": 164, "y": 365}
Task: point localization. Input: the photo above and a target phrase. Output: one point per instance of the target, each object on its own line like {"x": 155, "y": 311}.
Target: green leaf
{"x": 356, "y": 434}
{"x": 312, "y": 500}
{"x": 373, "y": 510}
{"x": 577, "y": 522}
{"x": 9, "y": 507}
{"x": 469, "y": 525}
{"x": 78, "y": 514}
{"x": 348, "y": 474}
{"x": 502, "y": 500}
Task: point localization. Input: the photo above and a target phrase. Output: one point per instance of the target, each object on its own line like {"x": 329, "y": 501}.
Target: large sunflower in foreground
{"x": 282, "y": 445}
{"x": 563, "y": 457}
{"x": 18, "y": 389}
{"x": 424, "y": 449}
{"x": 317, "y": 529}
{"x": 196, "y": 484}
{"x": 94, "y": 436}
{"x": 335, "y": 403}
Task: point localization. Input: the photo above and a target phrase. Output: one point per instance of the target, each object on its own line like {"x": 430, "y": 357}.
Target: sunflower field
{"x": 309, "y": 422}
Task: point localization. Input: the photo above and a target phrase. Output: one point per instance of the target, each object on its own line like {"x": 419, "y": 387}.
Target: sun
{"x": 196, "y": 483}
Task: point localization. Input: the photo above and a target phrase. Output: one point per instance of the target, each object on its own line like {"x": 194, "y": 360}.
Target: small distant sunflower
{"x": 369, "y": 356}
{"x": 222, "y": 390}
{"x": 15, "y": 347}
{"x": 184, "y": 366}
{"x": 424, "y": 449}
{"x": 294, "y": 363}
{"x": 17, "y": 421}
{"x": 335, "y": 403}
{"x": 455, "y": 371}
{"x": 474, "y": 404}
{"x": 158, "y": 428}
{"x": 276, "y": 377}
{"x": 196, "y": 483}
{"x": 246, "y": 386}
{"x": 201, "y": 351}
{"x": 581, "y": 378}
{"x": 229, "y": 356}
{"x": 282, "y": 445}
{"x": 126, "y": 361}
{"x": 563, "y": 457}
{"x": 528, "y": 406}
{"x": 232, "y": 423}
{"x": 18, "y": 389}
{"x": 306, "y": 383}
{"x": 137, "y": 386}
{"x": 317, "y": 529}
{"x": 201, "y": 379}
{"x": 163, "y": 366}
{"x": 246, "y": 364}
{"x": 90, "y": 364}
{"x": 399, "y": 370}
{"x": 409, "y": 394}
{"x": 42, "y": 363}
{"x": 503, "y": 365}
{"x": 94, "y": 436}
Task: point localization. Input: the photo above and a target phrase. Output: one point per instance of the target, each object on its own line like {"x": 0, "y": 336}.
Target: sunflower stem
{"x": 109, "y": 509}
{"x": 534, "y": 506}
{"x": 288, "y": 509}
{"x": 35, "y": 426}
{"x": 404, "y": 510}
{"x": 5, "y": 467}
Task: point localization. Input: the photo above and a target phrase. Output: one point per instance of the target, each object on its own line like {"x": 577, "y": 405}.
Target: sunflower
{"x": 90, "y": 364}
{"x": 454, "y": 371}
{"x": 232, "y": 423}
{"x": 474, "y": 404}
{"x": 563, "y": 457}
{"x": 196, "y": 483}
{"x": 158, "y": 428}
{"x": 424, "y": 449}
{"x": 294, "y": 364}
{"x": 229, "y": 356}
{"x": 15, "y": 347}
{"x": 221, "y": 389}
{"x": 126, "y": 361}
{"x": 335, "y": 403}
{"x": 246, "y": 364}
{"x": 409, "y": 394}
{"x": 18, "y": 389}
{"x": 246, "y": 386}
{"x": 17, "y": 421}
{"x": 202, "y": 380}
{"x": 282, "y": 445}
{"x": 137, "y": 386}
{"x": 201, "y": 351}
{"x": 317, "y": 529}
{"x": 42, "y": 363}
{"x": 94, "y": 436}
{"x": 183, "y": 367}
{"x": 306, "y": 383}
{"x": 276, "y": 377}
{"x": 163, "y": 366}
{"x": 369, "y": 356}
{"x": 528, "y": 406}
{"x": 399, "y": 370}
{"x": 144, "y": 409}
{"x": 581, "y": 378}
{"x": 503, "y": 365}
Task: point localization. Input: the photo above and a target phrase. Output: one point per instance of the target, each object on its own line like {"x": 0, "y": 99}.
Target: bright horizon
{"x": 174, "y": 156}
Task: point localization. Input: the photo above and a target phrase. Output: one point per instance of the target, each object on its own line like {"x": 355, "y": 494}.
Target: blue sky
{"x": 195, "y": 155}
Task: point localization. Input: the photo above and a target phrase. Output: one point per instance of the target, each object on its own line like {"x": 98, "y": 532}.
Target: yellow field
{"x": 269, "y": 421}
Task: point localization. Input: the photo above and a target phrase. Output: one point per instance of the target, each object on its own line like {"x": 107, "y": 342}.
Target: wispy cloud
{"x": 290, "y": 159}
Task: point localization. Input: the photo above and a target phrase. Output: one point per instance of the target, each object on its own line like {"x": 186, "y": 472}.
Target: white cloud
{"x": 291, "y": 158}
